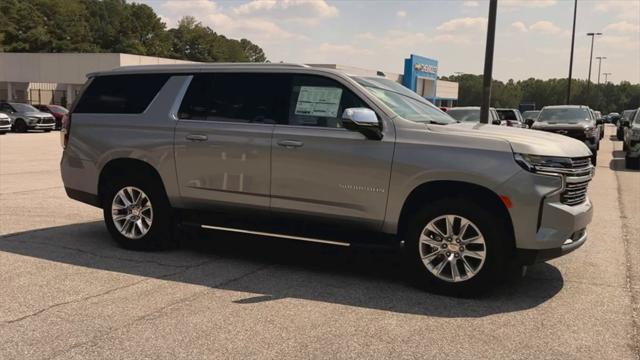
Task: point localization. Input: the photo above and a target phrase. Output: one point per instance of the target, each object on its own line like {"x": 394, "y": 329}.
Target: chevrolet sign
{"x": 429, "y": 69}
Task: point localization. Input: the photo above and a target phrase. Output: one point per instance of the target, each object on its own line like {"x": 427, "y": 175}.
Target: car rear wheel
{"x": 20, "y": 126}
{"x": 456, "y": 247}
{"x": 138, "y": 214}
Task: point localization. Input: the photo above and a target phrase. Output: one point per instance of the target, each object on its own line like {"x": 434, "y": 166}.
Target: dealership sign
{"x": 426, "y": 68}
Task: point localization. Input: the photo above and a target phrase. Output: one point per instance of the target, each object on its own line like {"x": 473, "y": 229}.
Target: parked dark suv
{"x": 576, "y": 121}
{"x": 309, "y": 154}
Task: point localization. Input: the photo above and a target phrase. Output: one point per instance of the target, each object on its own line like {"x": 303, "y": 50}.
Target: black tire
{"x": 624, "y": 146}
{"x": 160, "y": 235}
{"x": 20, "y": 126}
{"x": 632, "y": 163}
{"x": 498, "y": 241}
{"x": 594, "y": 159}
{"x": 47, "y": 131}
{"x": 3, "y": 132}
{"x": 620, "y": 134}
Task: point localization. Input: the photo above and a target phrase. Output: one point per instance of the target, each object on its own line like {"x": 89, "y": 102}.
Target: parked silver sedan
{"x": 25, "y": 117}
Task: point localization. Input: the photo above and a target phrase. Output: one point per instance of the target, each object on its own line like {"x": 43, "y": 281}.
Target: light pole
{"x": 573, "y": 40}
{"x": 600, "y": 58}
{"x": 606, "y": 76}
{"x": 593, "y": 36}
{"x": 488, "y": 62}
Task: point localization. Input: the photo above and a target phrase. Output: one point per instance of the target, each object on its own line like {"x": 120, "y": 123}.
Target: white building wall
{"x": 446, "y": 89}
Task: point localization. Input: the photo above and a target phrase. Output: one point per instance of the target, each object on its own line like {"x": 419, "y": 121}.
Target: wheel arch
{"x": 127, "y": 166}
{"x": 436, "y": 190}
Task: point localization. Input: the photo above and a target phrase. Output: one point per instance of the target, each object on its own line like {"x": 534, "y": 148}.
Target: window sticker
{"x": 318, "y": 101}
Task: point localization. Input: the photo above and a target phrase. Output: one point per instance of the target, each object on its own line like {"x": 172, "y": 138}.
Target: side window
{"x": 319, "y": 101}
{"x": 6, "y": 108}
{"x": 120, "y": 94}
{"x": 237, "y": 97}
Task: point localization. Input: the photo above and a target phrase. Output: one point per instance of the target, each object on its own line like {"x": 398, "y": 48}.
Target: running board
{"x": 281, "y": 236}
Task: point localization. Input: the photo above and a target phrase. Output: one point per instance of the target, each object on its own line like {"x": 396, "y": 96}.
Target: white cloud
{"x": 545, "y": 27}
{"x": 527, "y": 3}
{"x": 229, "y": 24}
{"x": 401, "y": 14}
{"x": 294, "y": 8}
{"x": 471, "y": 4}
{"x": 623, "y": 27}
{"x": 473, "y": 23}
{"x": 519, "y": 26}
{"x": 625, "y": 9}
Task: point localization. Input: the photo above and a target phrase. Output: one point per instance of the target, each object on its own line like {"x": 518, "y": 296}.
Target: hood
{"x": 523, "y": 141}
{"x": 38, "y": 114}
{"x": 569, "y": 126}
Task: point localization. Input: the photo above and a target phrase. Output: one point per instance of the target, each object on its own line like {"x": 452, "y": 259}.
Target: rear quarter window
{"x": 120, "y": 94}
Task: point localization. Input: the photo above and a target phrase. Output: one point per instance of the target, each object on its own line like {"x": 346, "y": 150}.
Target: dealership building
{"x": 57, "y": 78}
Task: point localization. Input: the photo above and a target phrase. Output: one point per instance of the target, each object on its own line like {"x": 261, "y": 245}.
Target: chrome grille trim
{"x": 577, "y": 180}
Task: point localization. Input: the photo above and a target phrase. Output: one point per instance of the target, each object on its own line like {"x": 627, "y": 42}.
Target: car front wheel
{"x": 456, "y": 247}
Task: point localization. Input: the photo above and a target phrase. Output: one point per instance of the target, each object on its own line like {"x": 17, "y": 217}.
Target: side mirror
{"x": 496, "y": 122}
{"x": 625, "y": 123}
{"x": 363, "y": 120}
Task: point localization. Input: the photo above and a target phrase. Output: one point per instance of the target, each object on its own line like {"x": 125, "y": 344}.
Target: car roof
{"x": 204, "y": 67}
{"x": 565, "y": 107}
{"x": 506, "y": 109}
{"x": 468, "y": 108}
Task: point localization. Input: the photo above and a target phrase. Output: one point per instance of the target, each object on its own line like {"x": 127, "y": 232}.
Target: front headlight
{"x": 590, "y": 132}
{"x": 541, "y": 164}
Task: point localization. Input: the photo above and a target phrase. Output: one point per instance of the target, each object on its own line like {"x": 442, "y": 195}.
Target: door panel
{"x": 223, "y": 137}
{"x": 232, "y": 165}
{"x": 319, "y": 167}
{"x": 335, "y": 173}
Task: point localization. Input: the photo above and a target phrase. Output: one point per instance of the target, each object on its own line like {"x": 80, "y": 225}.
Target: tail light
{"x": 65, "y": 130}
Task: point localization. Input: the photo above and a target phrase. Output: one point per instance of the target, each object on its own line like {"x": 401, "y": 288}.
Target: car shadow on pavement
{"x": 267, "y": 270}
{"x": 617, "y": 163}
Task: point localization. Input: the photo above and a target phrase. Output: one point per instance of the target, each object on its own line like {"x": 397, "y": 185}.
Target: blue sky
{"x": 533, "y": 36}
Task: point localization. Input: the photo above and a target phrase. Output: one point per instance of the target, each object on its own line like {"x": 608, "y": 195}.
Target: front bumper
{"x": 529, "y": 257}
{"x": 542, "y": 223}
{"x": 42, "y": 126}
{"x": 5, "y": 128}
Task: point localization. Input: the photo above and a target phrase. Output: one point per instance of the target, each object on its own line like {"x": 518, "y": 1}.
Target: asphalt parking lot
{"x": 67, "y": 291}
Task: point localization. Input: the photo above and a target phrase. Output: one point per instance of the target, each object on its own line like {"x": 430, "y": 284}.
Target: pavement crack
{"x": 157, "y": 313}
{"x": 101, "y": 256}
{"x": 106, "y": 292}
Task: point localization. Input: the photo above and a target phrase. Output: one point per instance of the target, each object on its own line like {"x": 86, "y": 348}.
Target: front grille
{"x": 46, "y": 121}
{"x": 4, "y": 122}
{"x": 577, "y": 179}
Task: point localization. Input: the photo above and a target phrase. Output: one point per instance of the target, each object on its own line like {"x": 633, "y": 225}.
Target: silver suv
{"x": 310, "y": 154}
{"x": 25, "y": 117}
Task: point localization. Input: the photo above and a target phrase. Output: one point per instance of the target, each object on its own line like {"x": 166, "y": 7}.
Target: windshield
{"x": 564, "y": 115}
{"x": 627, "y": 114}
{"x": 403, "y": 102}
{"x": 465, "y": 115}
{"x": 531, "y": 114}
{"x": 58, "y": 109}
{"x": 24, "y": 108}
{"x": 637, "y": 116}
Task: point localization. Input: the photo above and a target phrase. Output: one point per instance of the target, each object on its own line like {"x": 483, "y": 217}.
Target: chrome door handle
{"x": 197, "y": 137}
{"x": 289, "y": 144}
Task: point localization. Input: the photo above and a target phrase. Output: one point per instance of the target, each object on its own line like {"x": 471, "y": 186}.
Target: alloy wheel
{"x": 132, "y": 212}
{"x": 452, "y": 248}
